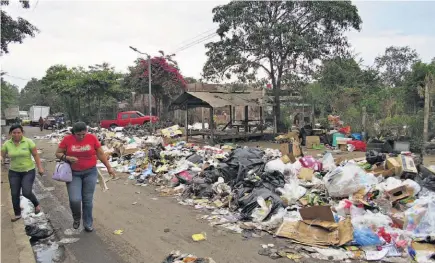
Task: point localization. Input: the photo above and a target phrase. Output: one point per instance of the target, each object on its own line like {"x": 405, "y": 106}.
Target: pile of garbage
{"x": 381, "y": 207}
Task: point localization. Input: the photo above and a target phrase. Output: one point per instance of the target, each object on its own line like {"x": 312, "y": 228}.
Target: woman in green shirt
{"x": 22, "y": 169}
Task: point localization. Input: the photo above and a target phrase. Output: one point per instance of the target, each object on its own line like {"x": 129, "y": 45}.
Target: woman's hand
{"x": 111, "y": 171}
{"x": 41, "y": 171}
{"x": 72, "y": 159}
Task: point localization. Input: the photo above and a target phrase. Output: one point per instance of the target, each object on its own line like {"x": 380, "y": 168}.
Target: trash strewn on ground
{"x": 178, "y": 257}
{"x": 376, "y": 208}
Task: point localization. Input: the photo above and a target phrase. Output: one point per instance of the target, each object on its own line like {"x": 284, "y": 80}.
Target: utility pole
{"x": 149, "y": 84}
{"x": 428, "y": 85}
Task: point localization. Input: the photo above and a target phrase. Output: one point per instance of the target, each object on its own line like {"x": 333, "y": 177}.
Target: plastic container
{"x": 336, "y": 136}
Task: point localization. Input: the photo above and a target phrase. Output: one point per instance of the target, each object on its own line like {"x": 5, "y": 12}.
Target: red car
{"x": 128, "y": 117}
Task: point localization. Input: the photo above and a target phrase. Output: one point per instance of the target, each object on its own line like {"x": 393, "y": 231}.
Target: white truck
{"x": 38, "y": 111}
{"x": 11, "y": 114}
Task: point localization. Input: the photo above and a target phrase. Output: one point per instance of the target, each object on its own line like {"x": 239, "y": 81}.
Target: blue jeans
{"x": 81, "y": 194}
{"x": 22, "y": 181}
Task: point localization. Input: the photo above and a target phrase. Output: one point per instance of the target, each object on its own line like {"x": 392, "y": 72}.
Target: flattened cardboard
{"x": 312, "y": 141}
{"x": 306, "y": 174}
{"x": 379, "y": 171}
{"x": 423, "y": 246}
{"x": 314, "y": 233}
{"x": 322, "y": 213}
{"x": 288, "y": 158}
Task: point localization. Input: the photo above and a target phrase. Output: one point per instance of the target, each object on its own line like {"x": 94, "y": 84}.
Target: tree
{"x": 414, "y": 83}
{"x": 32, "y": 94}
{"x": 281, "y": 38}
{"x": 166, "y": 79}
{"x": 15, "y": 31}
{"x": 9, "y": 94}
{"x": 84, "y": 92}
{"x": 395, "y": 63}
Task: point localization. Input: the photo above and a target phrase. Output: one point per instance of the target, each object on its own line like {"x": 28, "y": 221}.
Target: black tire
{"x": 113, "y": 126}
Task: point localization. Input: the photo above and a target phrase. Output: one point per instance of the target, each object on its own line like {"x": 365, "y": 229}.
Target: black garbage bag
{"x": 39, "y": 232}
{"x": 194, "y": 158}
{"x": 245, "y": 157}
{"x": 426, "y": 178}
{"x": 373, "y": 157}
{"x": 154, "y": 154}
{"x": 249, "y": 202}
{"x": 272, "y": 180}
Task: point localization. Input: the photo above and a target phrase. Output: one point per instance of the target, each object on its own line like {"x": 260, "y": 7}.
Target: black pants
{"x": 41, "y": 127}
{"x": 24, "y": 181}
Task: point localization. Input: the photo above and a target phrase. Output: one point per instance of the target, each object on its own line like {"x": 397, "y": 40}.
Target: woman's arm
{"x": 37, "y": 160}
{"x": 60, "y": 152}
{"x": 103, "y": 158}
{"x": 3, "y": 156}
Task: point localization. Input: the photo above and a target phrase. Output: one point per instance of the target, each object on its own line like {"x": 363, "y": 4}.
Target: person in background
{"x": 81, "y": 150}
{"x": 22, "y": 169}
{"x": 41, "y": 123}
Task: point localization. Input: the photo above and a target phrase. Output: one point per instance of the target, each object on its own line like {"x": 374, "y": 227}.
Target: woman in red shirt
{"x": 81, "y": 150}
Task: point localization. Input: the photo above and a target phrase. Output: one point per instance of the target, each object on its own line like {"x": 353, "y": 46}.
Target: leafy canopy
{"x": 15, "y": 31}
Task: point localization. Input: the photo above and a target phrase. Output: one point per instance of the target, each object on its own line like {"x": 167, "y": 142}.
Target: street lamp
{"x": 149, "y": 82}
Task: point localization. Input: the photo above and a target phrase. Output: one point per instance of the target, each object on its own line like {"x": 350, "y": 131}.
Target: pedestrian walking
{"x": 81, "y": 150}
{"x": 22, "y": 168}
{"x": 41, "y": 123}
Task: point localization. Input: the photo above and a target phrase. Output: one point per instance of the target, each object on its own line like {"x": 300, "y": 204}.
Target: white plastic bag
{"x": 344, "y": 181}
{"x": 426, "y": 227}
{"x": 275, "y": 165}
{"x": 292, "y": 192}
{"x": 328, "y": 162}
{"x": 413, "y": 185}
{"x": 260, "y": 213}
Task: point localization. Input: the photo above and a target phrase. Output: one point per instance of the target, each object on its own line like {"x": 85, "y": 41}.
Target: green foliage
{"x": 84, "y": 94}
{"x": 395, "y": 64}
{"x": 9, "y": 94}
{"x": 15, "y": 31}
{"x": 280, "y": 38}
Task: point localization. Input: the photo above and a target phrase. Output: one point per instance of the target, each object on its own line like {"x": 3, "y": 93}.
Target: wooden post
{"x": 428, "y": 83}
{"x": 202, "y": 117}
{"x": 211, "y": 126}
{"x": 363, "y": 122}
{"x": 246, "y": 119}
{"x": 231, "y": 115}
{"x": 186, "y": 123}
{"x": 261, "y": 119}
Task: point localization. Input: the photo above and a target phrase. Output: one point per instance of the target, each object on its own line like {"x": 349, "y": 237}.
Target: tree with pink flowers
{"x": 166, "y": 80}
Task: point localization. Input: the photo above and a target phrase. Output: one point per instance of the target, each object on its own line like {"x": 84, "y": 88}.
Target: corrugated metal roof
{"x": 216, "y": 99}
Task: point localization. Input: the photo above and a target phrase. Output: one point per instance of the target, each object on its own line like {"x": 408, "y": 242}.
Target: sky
{"x": 82, "y": 33}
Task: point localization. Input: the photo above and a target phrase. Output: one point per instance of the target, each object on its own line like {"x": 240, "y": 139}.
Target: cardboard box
{"x": 288, "y": 158}
{"x": 392, "y": 163}
{"x": 322, "y": 213}
{"x": 291, "y": 148}
{"x": 312, "y": 141}
{"x": 399, "y": 193}
{"x": 407, "y": 167}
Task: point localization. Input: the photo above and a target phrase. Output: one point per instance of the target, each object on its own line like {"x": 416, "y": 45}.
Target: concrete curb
{"x": 26, "y": 254}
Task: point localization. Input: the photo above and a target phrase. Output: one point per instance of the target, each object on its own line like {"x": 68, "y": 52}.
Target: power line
{"x": 201, "y": 34}
{"x": 6, "y": 74}
{"x": 205, "y": 38}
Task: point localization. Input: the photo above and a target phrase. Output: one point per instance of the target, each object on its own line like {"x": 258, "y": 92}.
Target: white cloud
{"x": 89, "y": 32}
{"x": 369, "y": 45}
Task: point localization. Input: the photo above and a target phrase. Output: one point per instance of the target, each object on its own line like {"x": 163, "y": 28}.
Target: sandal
{"x": 15, "y": 219}
{"x": 89, "y": 229}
